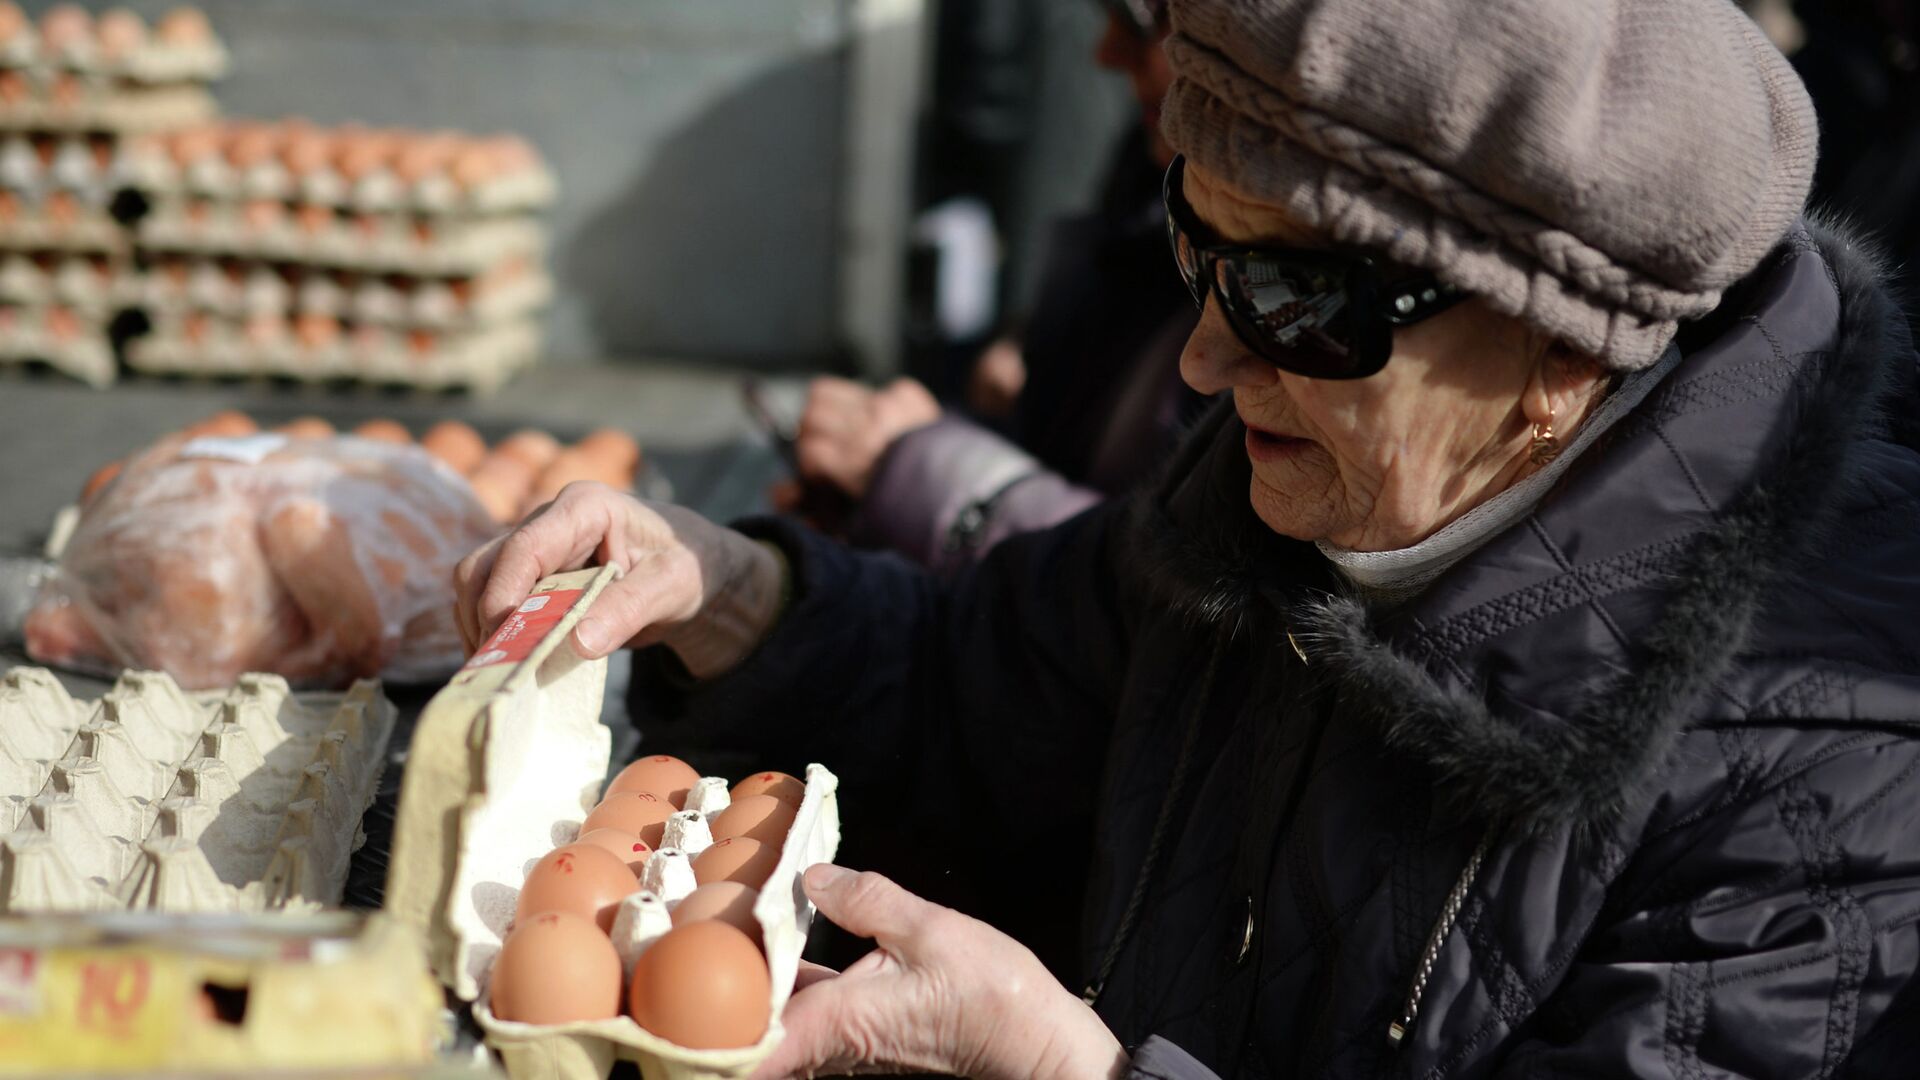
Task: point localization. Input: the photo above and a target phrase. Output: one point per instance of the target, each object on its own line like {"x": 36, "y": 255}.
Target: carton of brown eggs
{"x": 152, "y": 798}
{"x": 502, "y": 769}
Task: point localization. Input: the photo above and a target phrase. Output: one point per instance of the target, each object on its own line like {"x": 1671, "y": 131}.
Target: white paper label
{"x": 247, "y": 449}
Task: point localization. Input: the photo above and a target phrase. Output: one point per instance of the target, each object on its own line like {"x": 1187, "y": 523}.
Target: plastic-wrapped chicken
{"x": 321, "y": 560}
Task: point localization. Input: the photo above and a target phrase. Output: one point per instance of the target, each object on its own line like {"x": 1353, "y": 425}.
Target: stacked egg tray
{"x": 151, "y": 798}
{"x": 71, "y": 73}
{"x": 503, "y": 766}
{"x": 344, "y": 253}
{"x": 71, "y": 90}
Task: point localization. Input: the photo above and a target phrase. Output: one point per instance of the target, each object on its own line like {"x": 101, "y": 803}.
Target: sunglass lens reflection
{"x": 1301, "y": 310}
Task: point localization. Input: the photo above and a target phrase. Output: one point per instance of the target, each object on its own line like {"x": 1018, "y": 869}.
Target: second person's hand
{"x": 705, "y": 591}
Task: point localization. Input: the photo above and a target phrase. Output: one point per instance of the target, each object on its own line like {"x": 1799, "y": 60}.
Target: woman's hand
{"x": 705, "y": 591}
{"x": 846, "y": 428}
{"x": 942, "y": 993}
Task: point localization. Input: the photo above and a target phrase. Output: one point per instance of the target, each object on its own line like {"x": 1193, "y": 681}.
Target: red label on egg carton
{"x": 526, "y": 628}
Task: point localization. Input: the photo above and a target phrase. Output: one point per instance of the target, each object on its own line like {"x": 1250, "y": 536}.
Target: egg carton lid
{"x": 151, "y": 797}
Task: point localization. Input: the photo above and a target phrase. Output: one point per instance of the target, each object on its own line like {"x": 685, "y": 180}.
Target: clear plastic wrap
{"x": 322, "y": 560}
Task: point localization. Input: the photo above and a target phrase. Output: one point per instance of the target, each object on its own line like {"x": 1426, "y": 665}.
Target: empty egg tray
{"x": 153, "y": 798}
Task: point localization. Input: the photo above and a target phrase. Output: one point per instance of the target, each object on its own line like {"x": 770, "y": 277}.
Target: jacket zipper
{"x": 1437, "y": 940}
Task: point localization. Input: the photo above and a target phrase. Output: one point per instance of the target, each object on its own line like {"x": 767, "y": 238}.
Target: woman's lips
{"x": 1266, "y": 446}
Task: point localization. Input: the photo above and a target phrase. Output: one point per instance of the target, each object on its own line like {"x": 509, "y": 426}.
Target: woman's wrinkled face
{"x": 1383, "y": 462}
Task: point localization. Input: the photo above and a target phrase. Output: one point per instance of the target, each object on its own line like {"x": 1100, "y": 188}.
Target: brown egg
{"x": 738, "y": 858}
{"x": 760, "y": 817}
{"x": 501, "y": 482}
{"x": 626, "y": 846}
{"x": 703, "y": 986}
{"x": 534, "y": 449}
{"x": 786, "y": 788}
{"x": 474, "y": 166}
{"x": 585, "y": 879}
{"x": 728, "y": 901}
{"x": 455, "y": 443}
{"x": 224, "y": 424}
{"x": 184, "y": 26}
{"x": 306, "y": 427}
{"x": 617, "y": 448}
{"x": 554, "y": 968}
{"x": 641, "y": 813}
{"x": 12, "y": 21}
{"x": 567, "y": 467}
{"x": 101, "y": 478}
{"x": 316, "y": 331}
{"x": 662, "y": 774}
{"x": 65, "y": 25}
{"x": 306, "y": 152}
{"x": 120, "y": 33}
{"x": 384, "y": 430}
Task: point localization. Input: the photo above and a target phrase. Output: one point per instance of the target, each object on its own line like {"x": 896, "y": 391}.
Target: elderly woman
{"x": 1520, "y": 678}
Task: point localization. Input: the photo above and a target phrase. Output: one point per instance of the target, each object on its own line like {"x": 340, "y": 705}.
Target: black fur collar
{"x": 1214, "y": 563}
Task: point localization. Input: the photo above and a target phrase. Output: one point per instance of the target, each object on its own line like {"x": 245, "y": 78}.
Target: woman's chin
{"x": 1299, "y": 516}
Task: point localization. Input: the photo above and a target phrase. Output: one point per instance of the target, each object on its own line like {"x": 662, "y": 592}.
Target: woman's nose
{"x": 1216, "y": 360}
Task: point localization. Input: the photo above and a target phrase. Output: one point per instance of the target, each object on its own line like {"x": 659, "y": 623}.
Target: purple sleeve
{"x": 944, "y": 494}
{"x": 1158, "y": 1059}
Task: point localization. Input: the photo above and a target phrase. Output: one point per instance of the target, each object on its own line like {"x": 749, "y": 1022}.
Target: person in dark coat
{"x": 1095, "y": 389}
{"x": 1520, "y": 678}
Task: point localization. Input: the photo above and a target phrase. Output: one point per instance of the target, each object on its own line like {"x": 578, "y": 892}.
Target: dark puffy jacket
{"x": 1103, "y": 405}
{"x": 1634, "y": 790}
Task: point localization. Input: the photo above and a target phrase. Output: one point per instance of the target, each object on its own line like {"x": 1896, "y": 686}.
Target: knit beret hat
{"x": 1600, "y": 169}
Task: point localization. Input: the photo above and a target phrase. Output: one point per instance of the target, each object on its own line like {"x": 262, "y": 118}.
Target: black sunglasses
{"x": 1321, "y": 314}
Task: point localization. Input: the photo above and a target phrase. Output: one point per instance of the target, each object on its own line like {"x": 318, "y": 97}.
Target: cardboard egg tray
{"x": 177, "y": 287}
{"x": 167, "y": 181}
{"x": 382, "y": 243}
{"x": 59, "y": 338}
{"x": 479, "y": 361}
{"x": 117, "y": 109}
{"x": 283, "y": 996}
{"x": 151, "y": 62}
{"x": 86, "y": 283}
{"x": 153, "y": 798}
{"x": 86, "y": 230}
{"x": 504, "y": 765}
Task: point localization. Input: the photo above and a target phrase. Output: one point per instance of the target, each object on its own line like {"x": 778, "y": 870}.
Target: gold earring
{"x": 1545, "y": 445}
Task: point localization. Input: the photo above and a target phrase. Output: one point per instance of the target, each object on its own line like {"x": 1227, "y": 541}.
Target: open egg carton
{"x": 502, "y": 769}
{"x": 154, "y": 798}
{"x": 71, "y": 72}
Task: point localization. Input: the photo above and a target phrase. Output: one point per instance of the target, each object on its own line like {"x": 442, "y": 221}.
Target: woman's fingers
{"x": 657, "y": 586}
{"x": 868, "y": 905}
{"x": 810, "y": 973}
{"x": 582, "y": 525}
{"x": 469, "y": 578}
